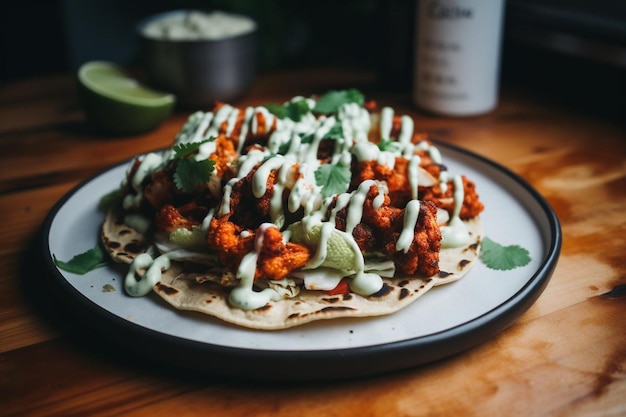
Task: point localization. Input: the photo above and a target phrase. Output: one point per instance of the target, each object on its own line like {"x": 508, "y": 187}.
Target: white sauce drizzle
{"x": 232, "y": 121}
{"x": 243, "y": 295}
{"x": 355, "y": 208}
{"x": 269, "y": 120}
{"x": 406, "y": 130}
{"x": 296, "y": 177}
{"x": 455, "y": 234}
{"x": 206, "y": 222}
{"x": 432, "y": 150}
{"x": 411, "y": 214}
{"x": 386, "y": 122}
{"x": 245, "y": 127}
{"x": 225, "y": 203}
{"x": 413, "y": 172}
{"x": 153, "y": 267}
{"x": 220, "y": 117}
{"x": 148, "y": 164}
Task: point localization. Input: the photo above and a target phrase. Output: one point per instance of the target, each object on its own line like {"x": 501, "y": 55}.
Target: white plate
{"x": 445, "y": 321}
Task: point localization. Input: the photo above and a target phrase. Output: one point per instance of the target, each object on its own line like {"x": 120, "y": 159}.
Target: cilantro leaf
{"x": 277, "y": 110}
{"x": 307, "y": 138}
{"x": 335, "y": 132}
{"x": 388, "y": 145}
{"x": 293, "y": 110}
{"x": 108, "y": 200}
{"x": 84, "y": 262}
{"x": 184, "y": 149}
{"x": 331, "y": 101}
{"x": 297, "y": 109}
{"x": 503, "y": 258}
{"x": 284, "y": 148}
{"x": 334, "y": 179}
{"x": 191, "y": 173}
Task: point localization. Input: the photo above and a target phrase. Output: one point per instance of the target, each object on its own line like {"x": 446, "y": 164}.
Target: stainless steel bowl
{"x": 201, "y": 71}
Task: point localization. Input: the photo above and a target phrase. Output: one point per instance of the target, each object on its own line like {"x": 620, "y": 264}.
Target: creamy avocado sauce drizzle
{"x": 148, "y": 164}
{"x": 152, "y": 275}
{"x": 455, "y": 234}
{"x": 411, "y": 214}
{"x": 243, "y": 295}
{"x": 295, "y": 171}
{"x": 414, "y": 166}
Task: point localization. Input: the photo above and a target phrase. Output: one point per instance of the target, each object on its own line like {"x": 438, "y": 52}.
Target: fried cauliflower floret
{"x": 225, "y": 153}
{"x": 225, "y": 238}
{"x": 380, "y": 229}
{"x": 160, "y": 189}
{"x": 471, "y": 207}
{"x": 170, "y": 218}
{"x": 277, "y": 259}
{"x": 396, "y": 178}
{"x": 399, "y": 186}
{"x": 246, "y": 209}
{"x": 422, "y": 258}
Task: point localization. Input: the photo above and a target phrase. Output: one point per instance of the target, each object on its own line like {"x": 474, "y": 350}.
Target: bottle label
{"x": 458, "y": 53}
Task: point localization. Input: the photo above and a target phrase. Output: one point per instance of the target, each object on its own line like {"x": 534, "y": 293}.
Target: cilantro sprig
{"x": 293, "y": 110}
{"x": 189, "y": 172}
{"x": 183, "y": 150}
{"x": 503, "y": 258}
{"x": 333, "y": 178}
{"x": 331, "y": 101}
{"x": 83, "y": 262}
{"x": 335, "y": 132}
{"x": 389, "y": 145}
{"x": 109, "y": 200}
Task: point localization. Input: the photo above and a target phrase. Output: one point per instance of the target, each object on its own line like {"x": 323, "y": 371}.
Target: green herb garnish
{"x": 84, "y": 262}
{"x": 183, "y": 150}
{"x": 108, "y": 200}
{"x": 277, "y": 110}
{"x": 335, "y": 132}
{"x": 334, "y": 179}
{"x": 330, "y": 102}
{"x": 297, "y": 109}
{"x": 503, "y": 258}
{"x": 284, "y": 148}
{"x": 189, "y": 172}
{"x": 307, "y": 138}
{"x": 293, "y": 110}
{"x": 388, "y": 145}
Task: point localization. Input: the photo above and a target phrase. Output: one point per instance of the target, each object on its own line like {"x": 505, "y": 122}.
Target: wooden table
{"x": 564, "y": 356}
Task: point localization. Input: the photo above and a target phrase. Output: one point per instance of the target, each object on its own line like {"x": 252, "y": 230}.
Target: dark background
{"x": 572, "y": 51}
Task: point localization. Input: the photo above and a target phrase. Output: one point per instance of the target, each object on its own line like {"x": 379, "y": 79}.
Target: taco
{"x": 270, "y": 217}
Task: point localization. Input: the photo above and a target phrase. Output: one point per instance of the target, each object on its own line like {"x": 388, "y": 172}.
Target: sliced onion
{"x": 425, "y": 179}
{"x": 443, "y": 216}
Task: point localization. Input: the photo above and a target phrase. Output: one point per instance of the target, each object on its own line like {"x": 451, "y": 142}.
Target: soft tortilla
{"x": 186, "y": 291}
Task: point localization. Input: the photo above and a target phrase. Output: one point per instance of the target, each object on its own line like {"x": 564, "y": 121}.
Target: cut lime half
{"x": 116, "y": 102}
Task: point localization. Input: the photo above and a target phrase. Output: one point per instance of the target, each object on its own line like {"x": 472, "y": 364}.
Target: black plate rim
{"x": 308, "y": 365}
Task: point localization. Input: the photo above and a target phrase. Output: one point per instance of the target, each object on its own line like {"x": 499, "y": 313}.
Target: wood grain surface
{"x": 566, "y": 356}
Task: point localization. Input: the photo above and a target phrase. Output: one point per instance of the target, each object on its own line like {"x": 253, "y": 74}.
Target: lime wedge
{"x": 116, "y": 102}
{"x": 189, "y": 239}
{"x": 340, "y": 253}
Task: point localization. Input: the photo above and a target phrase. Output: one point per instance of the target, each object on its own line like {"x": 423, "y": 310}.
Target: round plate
{"x": 445, "y": 321}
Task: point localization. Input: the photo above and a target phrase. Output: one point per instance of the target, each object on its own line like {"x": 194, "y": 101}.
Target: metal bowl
{"x": 199, "y": 71}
